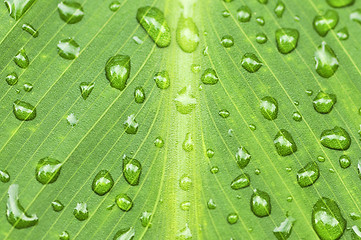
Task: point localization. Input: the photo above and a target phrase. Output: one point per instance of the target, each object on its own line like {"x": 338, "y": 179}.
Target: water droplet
{"x": 117, "y": 70}
{"x": 211, "y": 204}
{"x": 242, "y": 181}
{"x": 17, "y": 8}
{"x": 269, "y": 107}
{"x": 159, "y": 142}
{"x": 289, "y": 199}
{"x": 70, "y": 12}
{"x": 214, "y": 170}
{"x": 125, "y": 234}
{"x": 257, "y": 171}
{"x": 24, "y": 111}
{"x": 114, "y": 6}
{"x": 260, "y": 21}
{"x": 15, "y": 212}
{"x": 187, "y": 34}
{"x": 321, "y": 158}
{"x": 110, "y": 206}
{"x": 4, "y": 176}
{"x": 86, "y": 88}
{"x": 286, "y": 39}
{"x": 309, "y": 92}
{"x": 210, "y": 153}
{"x": 205, "y": 51}
{"x": 195, "y": 68}
{"x": 28, "y": 87}
{"x": 336, "y": 138}
{"x": 324, "y": 102}
{"x": 102, "y": 182}
{"x": 297, "y": 116}
{"x": 132, "y": 170}
{"x": 68, "y": 48}
{"x": 355, "y": 216}
{"x": 244, "y": 14}
{"x": 261, "y": 38}
{"x": 139, "y": 95}
{"x": 145, "y": 219}
{"x": 130, "y": 125}
{"x": 356, "y": 15}
{"x": 185, "y": 101}
{"x": 57, "y": 205}
{"x": 252, "y": 127}
{"x": 327, "y": 220}
{"x": 30, "y": 29}
{"x": 283, "y": 231}
{"x": 232, "y": 218}
{"x": 64, "y": 236}
{"x": 47, "y": 170}
{"x": 227, "y": 41}
{"x": 72, "y": 120}
{"x": 284, "y": 143}
{"x": 251, "y": 63}
{"x": 153, "y": 21}
{"x": 324, "y": 23}
{"x": 188, "y": 144}
{"x": 340, "y": 3}
{"x": 21, "y": 59}
{"x": 12, "y": 79}
{"x": 260, "y": 203}
{"x": 162, "y": 79}
{"x": 279, "y": 9}
{"x": 185, "y": 182}
{"x": 326, "y": 61}
{"x": 184, "y": 233}
{"x": 344, "y": 161}
{"x": 209, "y": 77}
{"x": 226, "y": 13}
{"x": 124, "y": 202}
{"x": 242, "y": 157}
{"x": 223, "y": 113}
{"x": 288, "y": 169}
{"x": 343, "y": 34}
{"x": 185, "y": 206}
{"x": 355, "y": 233}
{"x": 137, "y": 40}
{"x": 308, "y": 175}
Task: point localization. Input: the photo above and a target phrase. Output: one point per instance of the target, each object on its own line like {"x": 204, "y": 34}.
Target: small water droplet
{"x": 324, "y": 102}
{"x": 187, "y": 34}
{"x": 195, "y": 68}
{"x": 279, "y": 9}
{"x": 47, "y": 170}
{"x": 242, "y": 157}
{"x": 188, "y": 144}
{"x": 185, "y": 206}
{"x": 159, "y": 142}
{"x": 72, "y": 120}
{"x": 261, "y": 38}
{"x": 226, "y": 13}
{"x": 309, "y": 92}
{"x": 232, "y": 218}
{"x": 185, "y": 101}
{"x": 257, "y": 171}
{"x": 30, "y": 29}
{"x": 185, "y": 182}
{"x": 24, "y": 111}
{"x": 117, "y": 71}
{"x": 343, "y": 34}
{"x": 214, "y": 170}
{"x": 284, "y": 230}
{"x": 70, "y": 12}
{"x": 114, "y": 6}
{"x": 324, "y": 23}
{"x": 184, "y": 233}
{"x": 162, "y": 79}
{"x": 355, "y": 232}
{"x": 125, "y": 234}
{"x": 244, "y": 14}
{"x": 153, "y": 21}
{"x": 355, "y": 216}
{"x": 286, "y": 39}
{"x": 209, "y": 77}
{"x": 260, "y": 21}
{"x": 327, "y": 220}
{"x": 4, "y": 176}
{"x": 284, "y": 143}
{"x": 223, "y": 113}
{"x": 139, "y": 95}
{"x": 227, "y": 41}
{"x": 356, "y": 15}
{"x": 130, "y": 125}
{"x": 86, "y": 88}
{"x": 297, "y": 116}
{"x": 145, "y": 219}
{"x": 102, "y": 182}
{"x": 211, "y": 204}
{"x": 210, "y": 153}
{"x": 344, "y": 161}
{"x": 124, "y": 202}
{"x": 321, "y": 159}
{"x": 242, "y": 181}
{"x": 336, "y": 138}
{"x": 308, "y": 175}
{"x": 132, "y": 170}
{"x": 57, "y": 205}
{"x": 251, "y": 63}
{"x": 289, "y": 199}
{"x": 205, "y": 51}
{"x": 12, "y": 79}
{"x": 68, "y": 49}
{"x": 340, "y": 3}
{"x": 64, "y": 236}
{"x": 269, "y": 107}
{"x": 21, "y": 59}
{"x": 252, "y": 127}
{"x": 137, "y": 40}
{"x": 326, "y": 61}
{"x": 260, "y": 203}
{"x": 28, "y": 87}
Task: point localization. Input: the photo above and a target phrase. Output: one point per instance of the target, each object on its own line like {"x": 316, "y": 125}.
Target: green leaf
{"x": 188, "y": 78}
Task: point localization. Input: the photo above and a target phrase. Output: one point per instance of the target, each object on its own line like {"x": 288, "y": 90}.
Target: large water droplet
{"x": 308, "y": 175}
{"x": 340, "y": 3}
{"x": 132, "y": 170}
{"x": 327, "y": 220}
{"x": 124, "y": 202}
{"x": 12, "y": 78}
{"x": 162, "y": 79}
{"x": 68, "y": 48}
{"x": 185, "y": 101}
{"x": 269, "y": 107}
{"x": 232, "y": 218}
{"x": 284, "y": 143}
{"x": 114, "y": 6}
{"x": 187, "y": 34}
{"x": 227, "y": 41}
{"x": 70, "y": 12}
{"x": 241, "y": 181}
{"x": 153, "y": 21}
{"x": 324, "y": 23}
{"x": 284, "y": 230}
{"x": 15, "y": 212}
{"x": 125, "y": 234}
{"x": 211, "y": 204}
{"x": 47, "y": 170}
{"x": 102, "y": 182}
{"x": 21, "y": 59}
{"x": 188, "y": 143}
{"x": 297, "y": 116}
{"x": 117, "y": 70}
{"x": 130, "y": 125}
{"x": 242, "y": 157}
{"x": 86, "y": 88}
{"x": 326, "y": 61}
{"x": 244, "y": 14}
{"x": 251, "y": 63}
{"x": 209, "y": 77}
{"x": 279, "y": 9}
{"x": 81, "y": 211}
{"x": 286, "y": 39}
{"x": 139, "y": 95}
{"x": 344, "y": 161}
{"x": 324, "y": 102}
{"x": 356, "y": 15}
{"x": 17, "y": 8}
{"x": 4, "y": 176}
{"x": 57, "y": 205}
{"x": 336, "y": 138}
{"x": 260, "y": 203}
{"x": 30, "y": 29}
{"x": 24, "y": 111}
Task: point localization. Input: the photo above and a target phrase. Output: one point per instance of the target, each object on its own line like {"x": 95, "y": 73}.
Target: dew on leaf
{"x": 284, "y": 143}
{"x": 187, "y": 34}
{"x": 131, "y": 125}
{"x": 209, "y": 77}
{"x": 355, "y": 233}
{"x": 356, "y": 15}
{"x": 162, "y": 79}
{"x": 86, "y": 88}
{"x": 210, "y": 153}
{"x": 185, "y": 182}
{"x": 4, "y": 176}
{"x": 28, "y": 87}
{"x": 244, "y": 14}
{"x": 132, "y": 169}
{"x": 114, "y": 6}
{"x": 137, "y": 40}
{"x": 57, "y": 205}
{"x": 223, "y": 113}
{"x": 340, "y": 3}
{"x": 242, "y": 181}
{"x": 117, "y": 71}
{"x": 260, "y": 203}
{"x": 279, "y": 9}
{"x": 24, "y": 111}
{"x": 297, "y": 116}
{"x": 185, "y": 206}
{"x": 30, "y": 29}
{"x": 21, "y": 59}
{"x": 102, "y": 182}
{"x": 214, "y": 169}
{"x": 251, "y": 63}
{"x": 17, "y": 8}
{"x": 257, "y": 171}
{"x": 124, "y": 202}
{"x": 125, "y": 234}
{"x": 145, "y": 219}
{"x": 344, "y": 161}
{"x": 308, "y": 175}
{"x": 47, "y": 170}
{"x": 269, "y": 108}
{"x": 342, "y": 33}
{"x": 70, "y": 11}
{"x": 64, "y": 236}
{"x": 321, "y": 159}
{"x": 227, "y": 41}
{"x": 139, "y": 95}
{"x": 286, "y": 39}
{"x": 260, "y": 21}
{"x": 326, "y": 61}
{"x": 324, "y": 23}
{"x": 11, "y": 79}
{"x": 252, "y": 127}
{"x": 324, "y": 102}
{"x": 355, "y": 216}
{"x": 211, "y": 204}
{"x": 185, "y": 101}
{"x": 242, "y": 157}
{"x": 261, "y": 38}
{"x": 336, "y": 138}
{"x": 284, "y": 230}
{"x": 153, "y": 21}
{"x": 232, "y": 218}
{"x": 226, "y": 13}
{"x": 159, "y": 142}
{"x": 68, "y": 49}
{"x": 72, "y": 120}
{"x": 184, "y": 233}
{"x": 195, "y": 68}
{"x": 309, "y": 92}
{"x": 188, "y": 143}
